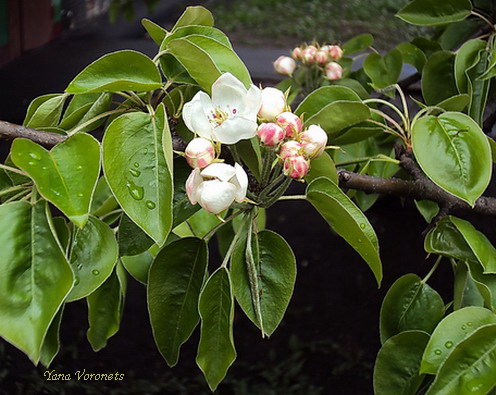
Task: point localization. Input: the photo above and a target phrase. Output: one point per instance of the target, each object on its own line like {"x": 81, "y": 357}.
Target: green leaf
{"x": 465, "y": 58}
{"x": 434, "y": 12}
{"x": 45, "y": 113}
{"x": 322, "y": 97}
{"x": 206, "y": 59}
{"x": 94, "y": 253}
{"x": 118, "y": 71}
{"x": 347, "y": 221}
{"x": 206, "y": 31}
{"x": 36, "y": 103}
{"x": 413, "y": 55}
{"x": 457, "y": 33}
{"x": 196, "y": 15}
{"x": 323, "y": 166}
{"x": 216, "y": 351}
{"x": 454, "y": 153}
{"x": 101, "y": 105}
{"x": 249, "y": 152}
{"x": 138, "y": 266}
{"x": 77, "y": 108}
{"x": 438, "y": 78}
{"x": 156, "y": 32}
{"x": 132, "y": 240}
{"x": 62, "y": 232}
{"x": 452, "y": 330}
{"x": 410, "y": 304}
{"x": 175, "y": 280}
{"x": 465, "y": 289}
{"x": 136, "y": 170}
{"x": 51, "y": 344}
{"x": 492, "y": 143}
{"x": 103, "y": 200}
{"x": 358, "y": 44}
{"x": 66, "y": 175}
{"x": 105, "y": 307}
{"x": 471, "y": 366}
{"x": 428, "y": 209}
{"x": 384, "y": 71}
{"x": 485, "y": 283}
{"x": 274, "y": 271}
{"x": 455, "y": 103}
{"x": 396, "y": 368}
{"x": 36, "y": 277}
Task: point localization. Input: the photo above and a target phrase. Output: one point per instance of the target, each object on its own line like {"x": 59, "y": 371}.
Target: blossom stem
{"x": 13, "y": 189}
{"x": 293, "y": 197}
{"x": 17, "y": 196}
{"x": 433, "y": 269}
{"x": 13, "y": 170}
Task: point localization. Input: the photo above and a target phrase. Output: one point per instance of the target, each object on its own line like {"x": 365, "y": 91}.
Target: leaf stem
{"x": 13, "y": 189}
{"x": 433, "y": 269}
{"x": 390, "y": 105}
{"x": 94, "y": 119}
{"x": 13, "y": 170}
{"x": 293, "y": 197}
{"x": 475, "y": 13}
{"x": 376, "y": 158}
{"x": 18, "y": 195}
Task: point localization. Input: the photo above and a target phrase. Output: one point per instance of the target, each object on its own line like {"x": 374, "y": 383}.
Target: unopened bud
{"x": 297, "y": 53}
{"x": 308, "y": 54}
{"x": 335, "y": 52}
{"x": 333, "y": 71}
{"x": 321, "y": 57}
{"x": 314, "y": 141}
{"x": 285, "y": 65}
{"x": 273, "y": 103}
{"x": 270, "y": 134}
{"x": 290, "y": 122}
{"x": 296, "y": 167}
{"x": 199, "y": 153}
{"x": 289, "y": 149}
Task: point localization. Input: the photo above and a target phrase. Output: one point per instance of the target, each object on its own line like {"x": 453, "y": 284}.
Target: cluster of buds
{"x": 282, "y": 131}
{"x": 325, "y": 57}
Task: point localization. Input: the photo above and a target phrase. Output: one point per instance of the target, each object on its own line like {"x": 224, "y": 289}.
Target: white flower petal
{"x": 216, "y": 196}
{"x": 195, "y": 115}
{"x": 252, "y": 103}
{"x": 240, "y": 181}
{"x": 192, "y": 185}
{"x": 235, "y": 129}
{"x": 228, "y": 91}
{"x": 222, "y": 171}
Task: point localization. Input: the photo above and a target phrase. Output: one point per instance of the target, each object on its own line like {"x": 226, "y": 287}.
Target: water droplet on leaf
{"x": 95, "y": 272}
{"x": 464, "y": 327}
{"x": 34, "y": 155}
{"x": 135, "y": 191}
{"x": 134, "y": 172}
{"x": 362, "y": 226}
{"x": 448, "y": 344}
{"x": 150, "y": 204}
{"x": 136, "y": 164}
{"x": 76, "y": 280}
{"x": 469, "y": 324}
{"x": 437, "y": 352}
{"x": 79, "y": 167}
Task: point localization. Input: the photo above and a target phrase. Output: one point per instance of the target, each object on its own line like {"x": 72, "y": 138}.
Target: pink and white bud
{"x": 285, "y": 65}
{"x": 335, "y": 52}
{"x": 291, "y": 123}
{"x": 333, "y": 71}
{"x": 270, "y": 134}
{"x": 273, "y": 103}
{"x": 290, "y": 149}
{"x": 297, "y": 53}
{"x": 296, "y": 167}
{"x": 308, "y": 54}
{"x": 200, "y": 153}
{"x": 321, "y": 57}
{"x": 313, "y": 141}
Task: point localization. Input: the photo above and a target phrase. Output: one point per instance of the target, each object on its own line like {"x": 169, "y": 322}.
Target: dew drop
{"x": 134, "y": 172}
{"x": 79, "y": 167}
{"x": 145, "y": 151}
{"x": 136, "y": 164}
{"x": 76, "y": 280}
{"x": 362, "y": 226}
{"x": 44, "y": 168}
{"x": 34, "y": 155}
{"x": 437, "y": 352}
{"x": 57, "y": 193}
{"x": 150, "y": 204}
{"x": 360, "y": 240}
{"x": 469, "y": 324}
{"x": 79, "y": 266}
{"x": 135, "y": 191}
{"x": 464, "y": 327}
{"x": 95, "y": 272}
{"x": 80, "y": 194}
{"x": 31, "y": 163}
{"x": 448, "y": 344}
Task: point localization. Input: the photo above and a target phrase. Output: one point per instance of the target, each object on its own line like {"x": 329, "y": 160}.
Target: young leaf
{"x": 196, "y": 15}
{"x": 36, "y": 277}
{"x": 347, "y": 221}
{"x": 216, "y": 351}
{"x": 396, "y": 369}
{"x": 454, "y": 153}
{"x": 324, "y": 96}
{"x": 434, "y": 12}
{"x": 438, "y": 79}
{"x": 48, "y": 112}
{"x": 410, "y": 304}
{"x": 384, "y": 71}
{"x": 156, "y": 32}
{"x": 471, "y": 367}
{"x": 66, "y": 175}
{"x": 136, "y": 170}
{"x": 175, "y": 280}
{"x": 274, "y": 270}
{"x": 323, "y": 166}
{"x": 118, "y": 71}
{"x": 94, "y": 253}
{"x": 358, "y": 44}
{"x": 452, "y": 330}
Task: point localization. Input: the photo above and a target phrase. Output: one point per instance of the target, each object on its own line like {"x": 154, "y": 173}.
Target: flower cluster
{"x": 325, "y": 57}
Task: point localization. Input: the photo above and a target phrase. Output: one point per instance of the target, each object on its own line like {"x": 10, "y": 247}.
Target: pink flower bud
{"x": 321, "y": 57}
{"x": 290, "y": 122}
{"x": 273, "y": 103}
{"x": 297, "y": 53}
{"x": 308, "y": 54}
{"x": 200, "y": 153}
{"x": 296, "y": 167}
{"x": 335, "y": 52}
{"x": 270, "y": 134}
{"x": 289, "y": 149}
{"x": 333, "y": 71}
{"x": 314, "y": 141}
{"x": 285, "y": 65}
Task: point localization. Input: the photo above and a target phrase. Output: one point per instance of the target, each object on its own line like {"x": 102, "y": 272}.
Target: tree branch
{"x": 11, "y": 131}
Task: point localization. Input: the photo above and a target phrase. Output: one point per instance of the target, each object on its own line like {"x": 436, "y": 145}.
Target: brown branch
{"x": 11, "y": 131}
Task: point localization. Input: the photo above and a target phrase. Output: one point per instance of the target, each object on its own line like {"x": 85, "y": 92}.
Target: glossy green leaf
{"x": 428, "y": 209}
{"x": 156, "y": 32}
{"x": 492, "y": 144}
{"x": 250, "y": 153}
{"x": 103, "y": 201}
{"x": 206, "y": 31}
{"x": 438, "y": 78}
{"x": 358, "y": 44}
{"x": 410, "y": 304}
{"x": 51, "y": 344}
{"x": 471, "y": 366}
{"x": 413, "y": 55}
{"x": 485, "y": 283}
{"x": 206, "y": 59}
{"x": 274, "y": 272}
{"x": 36, "y": 277}
{"x": 48, "y": 112}
{"x": 36, "y": 103}
{"x": 323, "y": 166}
{"x": 455, "y": 103}
{"x": 434, "y": 12}
{"x": 105, "y": 307}
{"x": 454, "y": 153}
{"x": 384, "y": 71}
{"x": 196, "y": 15}
{"x": 457, "y": 33}
{"x": 136, "y": 170}
{"x": 138, "y": 266}
{"x": 98, "y": 107}
{"x": 465, "y": 58}
{"x": 94, "y": 253}
{"x": 465, "y": 289}
{"x": 118, "y": 71}
{"x": 216, "y": 351}
{"x": 132, "y": 240}
{"x": 322, "y": 97}
{"x": 396, "y": 368}
{"x": 347, "y": 221}
{"x": 427, "y": 46}
{"x": 66, "y": 175}
{"x": 175, "y": 280}
{"x": 450, "y": 332}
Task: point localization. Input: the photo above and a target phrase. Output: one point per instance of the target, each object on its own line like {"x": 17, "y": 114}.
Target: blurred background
{"x": 329, "y": 338}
